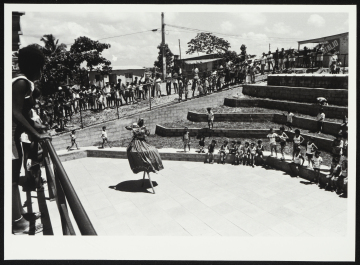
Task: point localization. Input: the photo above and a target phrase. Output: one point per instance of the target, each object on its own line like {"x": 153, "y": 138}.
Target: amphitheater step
{"x": 296, "y": 107}
{"x": 331, "y": 128}
{"x": 339, "y": 81}
{"x": 298, "y": 94}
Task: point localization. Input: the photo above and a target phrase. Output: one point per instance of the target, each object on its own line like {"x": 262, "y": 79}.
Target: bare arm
{"x": 19, "y": 90}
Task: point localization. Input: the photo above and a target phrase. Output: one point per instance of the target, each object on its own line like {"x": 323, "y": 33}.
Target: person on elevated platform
{"x": 31, "y": 62}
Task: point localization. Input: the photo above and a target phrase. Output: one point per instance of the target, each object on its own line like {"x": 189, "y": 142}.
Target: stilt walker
{"x": 141, "y": 155}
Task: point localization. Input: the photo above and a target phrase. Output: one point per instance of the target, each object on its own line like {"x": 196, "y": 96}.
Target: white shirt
{"x": 272, "y": 137}
{"x": 309, "y": 148}
{"x": 317, "y": 161}
{"x": 283, "y": 137}
{"x": 297, "y": 159}
{"x": 297, "y": 139}
{"x": 289, "y": 117}
{"x": 210, "y": 116}
{"x": 321, "y": 117}
{"x": 103, "y": 134}
{"x": 107, "y": 89}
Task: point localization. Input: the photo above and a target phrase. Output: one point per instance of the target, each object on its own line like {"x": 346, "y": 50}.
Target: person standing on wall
{"x": 319, "y": 56}
{"x": 281, "y": 59}
{"x": 276, "y": 59}
{"x": 269, "y": 59}
{"x": 263, "y": 62}
{"x": 168, "y": 83}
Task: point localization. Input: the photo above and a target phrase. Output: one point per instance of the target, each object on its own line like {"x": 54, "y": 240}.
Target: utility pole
{"x": 163, "y": 44}
{"x": 269, "y": 47}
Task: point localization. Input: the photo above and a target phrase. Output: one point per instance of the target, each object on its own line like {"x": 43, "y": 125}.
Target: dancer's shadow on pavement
{"x": 134, "y": 186}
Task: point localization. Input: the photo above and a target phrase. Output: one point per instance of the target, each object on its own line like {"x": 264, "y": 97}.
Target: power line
{"x": 231, "y": 35}
{"x": 153, "y": 30}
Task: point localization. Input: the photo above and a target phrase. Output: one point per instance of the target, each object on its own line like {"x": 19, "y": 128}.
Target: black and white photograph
{"x": 180, "y": 132}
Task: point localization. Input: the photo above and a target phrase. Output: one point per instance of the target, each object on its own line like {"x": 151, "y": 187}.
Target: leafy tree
{"x": 51, "y": 45}
{"x": 207, "y": 43}
{"x": 61, "y": 64}
{"x": 90, "y": 51}
{"x": 243, "y": 54}
{"x": 169, "y": 58}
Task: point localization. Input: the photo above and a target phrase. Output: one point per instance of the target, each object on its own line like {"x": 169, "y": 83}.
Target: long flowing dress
{"x": 141, "y": 155}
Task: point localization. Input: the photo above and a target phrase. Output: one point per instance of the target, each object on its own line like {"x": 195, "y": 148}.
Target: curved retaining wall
{"x": 244, "y": 117}
{"x": 322, "y": 143}
{"x": 295, "y": 107}
{"x": 302, "y": 123}
{"x": 298, "y": 94}
{"x": 323, "y": 81}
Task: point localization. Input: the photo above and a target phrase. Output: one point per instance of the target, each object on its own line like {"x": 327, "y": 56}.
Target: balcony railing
{"x": 61, "y": 190}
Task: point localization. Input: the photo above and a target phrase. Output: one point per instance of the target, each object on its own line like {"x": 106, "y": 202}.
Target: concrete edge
{"x": 273, "y": 162}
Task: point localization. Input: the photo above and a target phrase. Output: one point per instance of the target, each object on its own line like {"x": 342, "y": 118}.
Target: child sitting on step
{"x": 246, "y": 154}
{"x": 239, "y": 154}
{"x": 201, "y": 138}
{"x": 316, "y": 163}
{"x": 338, "y": 182}
{"x": 259, "y": 152}
{"x": 224, "y": 150}
{"x": 252, "y": 154}
{"x": 335, "y": 170}
{"x": 210, "y": 154}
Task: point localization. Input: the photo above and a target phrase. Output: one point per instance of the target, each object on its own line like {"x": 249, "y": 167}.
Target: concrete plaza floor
{"x": 196, "y": 199}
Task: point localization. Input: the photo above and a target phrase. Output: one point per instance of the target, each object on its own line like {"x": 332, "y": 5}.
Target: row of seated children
{"x": 243, "y": 154}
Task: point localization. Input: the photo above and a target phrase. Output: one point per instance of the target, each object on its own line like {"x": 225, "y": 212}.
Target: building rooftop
{"x": 127, "y": 67}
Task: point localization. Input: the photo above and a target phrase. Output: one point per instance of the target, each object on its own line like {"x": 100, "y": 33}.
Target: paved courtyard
{"x": 196, "y": 199}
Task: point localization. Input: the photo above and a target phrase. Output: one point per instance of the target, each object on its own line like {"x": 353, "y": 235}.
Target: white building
{"x": 126, "y": 73}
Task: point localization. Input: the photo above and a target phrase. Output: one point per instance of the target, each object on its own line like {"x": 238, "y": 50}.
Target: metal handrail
{"x": 84, "y": 224}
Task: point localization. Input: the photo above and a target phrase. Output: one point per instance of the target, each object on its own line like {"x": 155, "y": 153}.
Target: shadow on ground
{"x": 134, "y": 186}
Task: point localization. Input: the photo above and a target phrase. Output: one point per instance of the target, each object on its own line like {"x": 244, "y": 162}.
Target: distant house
{"x": 204, "y": 63}
{"x": 16, "y": 32}
{"x": 125, "y": 73}
{"x": 338, "y": 42}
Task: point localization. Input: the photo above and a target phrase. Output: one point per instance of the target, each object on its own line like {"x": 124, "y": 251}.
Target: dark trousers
{"x": 168, "y": 88}
{"x": 319, "y": 126}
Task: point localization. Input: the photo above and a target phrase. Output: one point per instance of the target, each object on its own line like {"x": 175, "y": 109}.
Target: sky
{"x": 255, "y": 30}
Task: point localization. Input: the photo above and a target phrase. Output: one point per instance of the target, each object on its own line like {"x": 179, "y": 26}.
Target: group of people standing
{"x": 278, "y": 61}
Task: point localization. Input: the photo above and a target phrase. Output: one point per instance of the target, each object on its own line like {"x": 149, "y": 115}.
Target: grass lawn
{"x": 226, "y": 109}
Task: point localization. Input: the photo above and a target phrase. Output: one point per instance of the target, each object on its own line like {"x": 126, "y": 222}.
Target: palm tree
{"x": 51, "y": 45}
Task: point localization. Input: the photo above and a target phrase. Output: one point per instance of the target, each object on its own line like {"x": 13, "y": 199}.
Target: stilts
{"x": 149, "y": 180}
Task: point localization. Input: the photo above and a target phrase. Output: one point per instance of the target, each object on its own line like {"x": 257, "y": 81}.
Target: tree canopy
{"x": 51, "y": 45}
{"x": 207, "y": 43}
{"x": 61, "y": 64}
{"x": 168, "y": 55}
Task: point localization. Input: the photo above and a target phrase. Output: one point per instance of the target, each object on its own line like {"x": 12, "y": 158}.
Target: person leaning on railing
{"x": 31, "y": 61}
